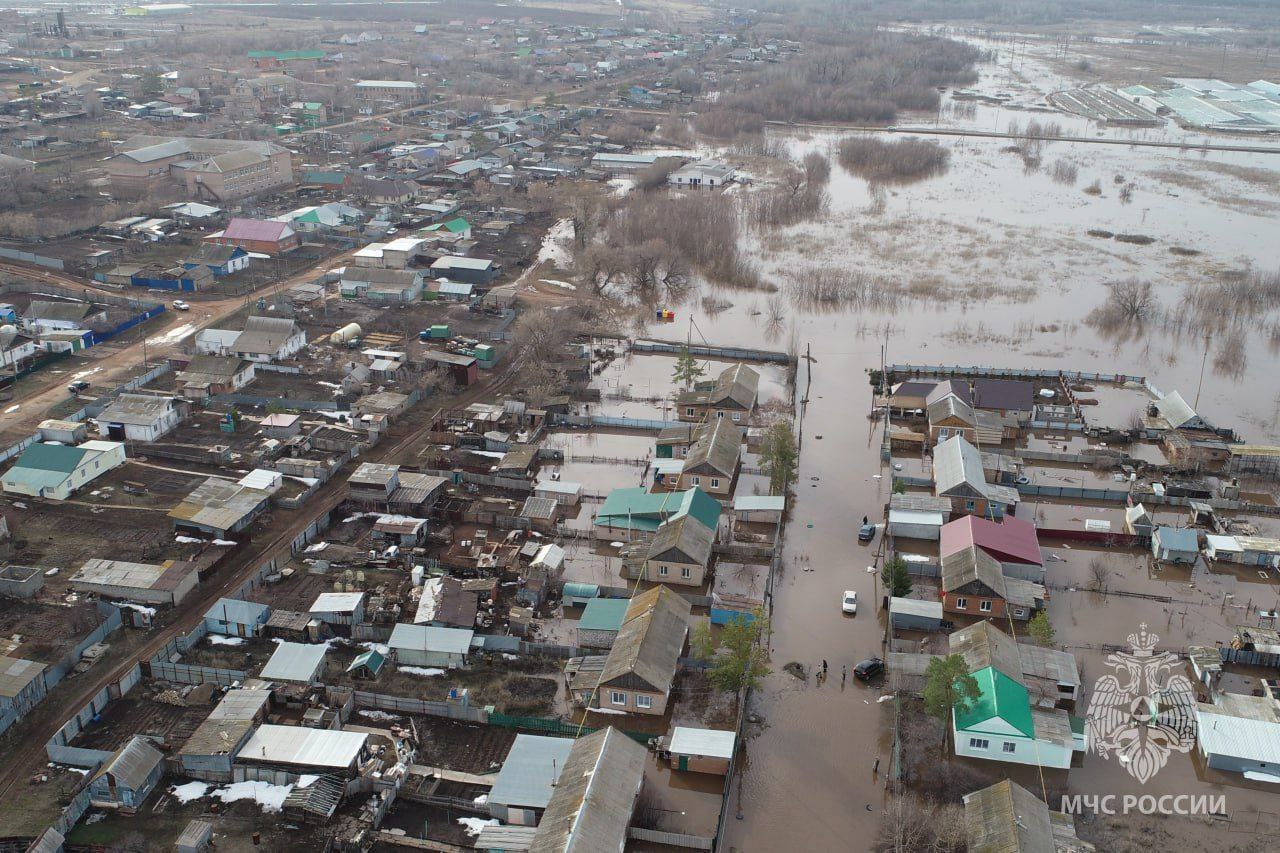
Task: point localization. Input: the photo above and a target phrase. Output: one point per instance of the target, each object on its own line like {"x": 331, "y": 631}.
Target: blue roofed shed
{"x": 237, "y": 618}
{"x": 1175, "y": 544}
{"x": 528, "y": 778}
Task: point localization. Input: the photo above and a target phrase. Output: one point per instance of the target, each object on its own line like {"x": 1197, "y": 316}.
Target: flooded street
{"x": 1005, "y": 274}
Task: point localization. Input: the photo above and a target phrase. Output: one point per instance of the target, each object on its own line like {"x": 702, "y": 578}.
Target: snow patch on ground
{"x": 605, "y": 711}
{"x": 188, "y": 540}
{"x": 173, "y": 335}
{"x": 557, "y": 283}
{"x": 475, "y": 825}
{"x": 226, "y": 543}
{"x": 422, "y": 670}
{"x": 376, "y": 715}
{"x": 190, "y": 791}
{"x": 219, "y": 640}
{"x": 380, "y": 648}
{"x": 481, "y": 800}
{"x": 555, "y": 247}
{"x": 270, "y": 797}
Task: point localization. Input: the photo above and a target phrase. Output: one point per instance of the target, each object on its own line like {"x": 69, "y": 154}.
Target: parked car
{"x": 179, "y": 305}
{"x": 78, "y": 386}
{"x": 868, "y": 669}
{"x": 866, "y": 532}
{"x": 849, "y": 603}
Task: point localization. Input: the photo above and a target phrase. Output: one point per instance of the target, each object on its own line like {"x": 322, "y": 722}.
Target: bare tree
{"x": 1099, "y": 573}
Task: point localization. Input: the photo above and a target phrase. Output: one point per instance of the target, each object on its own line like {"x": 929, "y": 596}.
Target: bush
{"x": 897, "y": 161}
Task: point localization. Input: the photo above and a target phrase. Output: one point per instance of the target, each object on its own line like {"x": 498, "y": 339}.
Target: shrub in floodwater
{"x": 901, "y": 160}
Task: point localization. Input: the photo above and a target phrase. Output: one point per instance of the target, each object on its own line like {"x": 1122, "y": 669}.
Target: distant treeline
{"x": 866, "y": 76}
{"x": 1006, "y": 12}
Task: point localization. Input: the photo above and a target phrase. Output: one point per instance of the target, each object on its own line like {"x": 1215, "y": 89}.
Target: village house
{"x": 46, "y": 315}
{"x": 207, "y": 375}
{"x": 704, "y": 173}
{"x": 641, "y": 666}
{"x": 678, "y": 553}
{"x": 1002, "y": 725}
{"x": 1175, "y": 544}
{"x": 1007, "y": 818}
{"x": 212, "y": 748}
{"x": 958, "y": 476}
{"x": 524, "y": 786}
{"x": 431, "y": 646}
{"x": 1008, "y": 397}
{"x": 595, "y": 799}
{"x": 1239, "y": 734}
{"x": 712, "y": 461}
{"x": 1052, "y": 677}
{"x": 267, "y": 339}
{"x": 382, "y": 286}
{"x": 949, "y": 414}
{"x": 219, "y": 260}
{"x": 1012, "y": 541}
{"x": 974, "y": 583}
{"x": 56, "y": 471}
{"x": 127, "y": 778}
{"x": 635, "y": 510}
{"x": 232, "y": 617}
{"x": 733, "y": 395}
{"x": 263, "y": 236}
{"x": 140, "y": 417}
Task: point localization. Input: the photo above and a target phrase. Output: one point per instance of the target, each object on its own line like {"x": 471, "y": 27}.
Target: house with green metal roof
{"x": 635, "y": 510}
{"x": 323, "y": 179}
{"x": 1003, "y": 725}
{"x": 56, "y": 471}
{"x": 459, "y": 227}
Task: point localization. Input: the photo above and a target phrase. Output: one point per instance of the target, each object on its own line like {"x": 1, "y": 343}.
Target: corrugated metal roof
{"x": 304, "y": 747}
{"x": 238, "y": 612}
{"x": 336, "y": 602}
{"x": 16, "y": 674}
{"x": 509, "y": 839}
{"x": 256, "y": 229}
{"x": 294, "y": 662}
{"x": 604, "y": 614}
{"x": 591, "y": 808}
{"x": 956, "y": 463}
{"x": 711, "y": 743}
{"x": 682, "y": 539}
{"x": 1011, "y": 540}
{"x": 650, "y": 640}
{"x": 529, "y": 772}
{"x": 132, "y": 763}
{"x": 1007, "y": 818}
{"x": 718, "y": 446}
{"x": 429, "y": 638}
{"x": 757, "y": 503}
{"x": 916, "y": 607}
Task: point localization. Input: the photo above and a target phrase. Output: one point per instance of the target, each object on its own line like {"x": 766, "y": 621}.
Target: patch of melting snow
{"x": 481, "y": 800}
{"x": 188, "y": 540}
{"x": 224, "y": 542}
{"x": 377, "y": 715}
{"x": 190, "y": 791}
{"x": 557, "y": 283}
{"x": 270, "y": 797}
{"x": 553, "y": 248}
{"x": 220, "y": 640}
{"x": 605, "y": 711}
{"x": 380, "y": 648}
{"x": 173, "y": 335}
{"x": 12, "y": 409}
{"x": 475, "y": 825}
{"x": 306, "y": 780}
{"x": 423, "y": 670}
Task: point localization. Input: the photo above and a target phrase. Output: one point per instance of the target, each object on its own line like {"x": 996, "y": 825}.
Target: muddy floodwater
{"x": 1008, "y": 275}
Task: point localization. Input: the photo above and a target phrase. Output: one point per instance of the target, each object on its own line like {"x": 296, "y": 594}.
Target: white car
{"x": 179, "y": 305}
{"x": 849, "y": 604}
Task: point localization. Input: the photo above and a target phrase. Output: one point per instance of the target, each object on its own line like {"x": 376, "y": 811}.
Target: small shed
{"x": 915, "y": 524}
{"x": 1175, "y": 544}
{"x": 299, "y": 662}
{"x": 577, "y": 594}
{"x": 1223, "y": 548}
{"x": 528, "y": 778}
{"x": 565, "y": 494}
{"x": 128, "y": 777}
{"x": 236, "y": 618}
{"x": 338, "y": 608}
{"x": 431, "y": 646}
{"x": 701, "y": 750}
{"x": 367, "y": 665}
{"x": 759, "y": 509}
{"x": 601, "y": 619}
{"x": 912, "y": 614}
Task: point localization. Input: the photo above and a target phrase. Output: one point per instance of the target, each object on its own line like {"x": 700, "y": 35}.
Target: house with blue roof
{"x": 1175, "y": 544}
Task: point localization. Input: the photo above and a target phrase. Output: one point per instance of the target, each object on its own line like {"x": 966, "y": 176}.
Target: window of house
{"x": 1020, "y": 612}
{"x": 662, "y": 570}
{"x": 962, "y": 603}
{"x": 737, "y": 416}
{"x": 1010, "y": 747}
{"x": 978, "y": 743}
{"x": 644, "y": 701}
{"x": 943, "y": 432}
{"x": 689, "y": 411}
{"x": 719, "y": 415}
{"x": 715, "y": 482}
{"x": 617, "y": 697}
{"x": 985, "y": 606}
{"x": 686, "y": 572}
{"x": 697, "y": 481}
{"x": 969, "y": 505}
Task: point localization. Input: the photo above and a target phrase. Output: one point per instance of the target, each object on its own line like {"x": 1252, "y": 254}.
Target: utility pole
{"x": 1203, "y": 359}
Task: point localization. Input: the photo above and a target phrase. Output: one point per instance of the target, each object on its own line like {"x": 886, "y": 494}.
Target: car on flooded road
{"x": 868, "y": 669}
{"x": 866, "y": 532}
{"x": 849, "y": 603}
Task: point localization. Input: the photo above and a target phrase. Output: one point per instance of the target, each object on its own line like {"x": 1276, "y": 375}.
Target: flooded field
{"x": 992, "y": 263}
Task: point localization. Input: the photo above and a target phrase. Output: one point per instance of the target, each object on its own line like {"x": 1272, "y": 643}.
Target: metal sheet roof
{"x": 650, "y": 640}
{"x": 712, "y": 743}
{"x": 16, "y": 674}
{"x": 604, "y": 614}
{"x": 916, "y": 607}
{"x": 529, "y": 772}
{"x": 591, "y": 808}
{"x": 238, "y": 612}
{"x": 304, "y": 747}
{"x": 760, "y": 503}
{"x": 1007, "y": 818}
{"x": 429, "y": 638}
{"x": 132, "y": 763}
{"x": 294, "y": 662}
{"x": 336, "y": 602}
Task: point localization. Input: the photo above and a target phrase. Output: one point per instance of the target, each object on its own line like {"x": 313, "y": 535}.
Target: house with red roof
{"x": 1012, "y": 542}
{"x": 263, "y": 236}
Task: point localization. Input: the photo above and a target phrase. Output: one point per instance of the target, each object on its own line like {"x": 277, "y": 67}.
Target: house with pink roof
{"x": 1012, "y": 542}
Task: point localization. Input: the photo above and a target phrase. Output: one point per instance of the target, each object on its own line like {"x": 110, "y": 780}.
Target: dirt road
{"x": 161, "y": 336}
{"x": 36, "y": 729}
